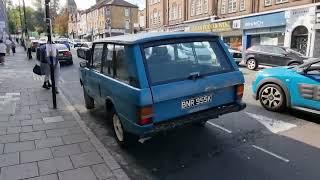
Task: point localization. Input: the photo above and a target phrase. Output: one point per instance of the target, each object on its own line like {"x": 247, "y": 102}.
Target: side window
{"x": 118, "y": 64}
{"x": 278, "y": 50}
{"x": 108, "y": 60}
{"x": 124, "y": 70}
{"x": 97, "y": 57}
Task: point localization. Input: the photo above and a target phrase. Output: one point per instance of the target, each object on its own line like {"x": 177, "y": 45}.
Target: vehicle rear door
{"x": 94, "y": 73}
{"x": 178, "y": 83}
{"x": 305, "y": 88}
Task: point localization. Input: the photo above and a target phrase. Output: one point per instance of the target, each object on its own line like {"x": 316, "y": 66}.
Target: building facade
{"x": 104, "y": 19}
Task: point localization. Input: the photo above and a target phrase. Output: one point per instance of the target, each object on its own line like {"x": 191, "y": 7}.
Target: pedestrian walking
{"x": 45, "y": 68}
{"x": 8, "y": 44}
{"x": 13, "y": 48}
{"x": 3, "y": 48}
{"x": 29, "y": 45}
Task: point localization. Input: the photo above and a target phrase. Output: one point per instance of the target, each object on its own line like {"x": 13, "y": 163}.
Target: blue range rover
{"x": 154, "y": 82}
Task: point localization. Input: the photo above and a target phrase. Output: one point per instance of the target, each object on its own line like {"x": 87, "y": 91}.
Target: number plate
{"x": 192, "y": 102}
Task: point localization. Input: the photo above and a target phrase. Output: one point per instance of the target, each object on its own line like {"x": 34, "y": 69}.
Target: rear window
{"x": 177, "y": 61}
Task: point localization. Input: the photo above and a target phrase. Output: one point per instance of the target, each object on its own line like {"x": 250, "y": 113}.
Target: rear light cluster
{"x": 67, "y": 53}
{"x": 239, "y": 91}
{"x": 145, "y": 115}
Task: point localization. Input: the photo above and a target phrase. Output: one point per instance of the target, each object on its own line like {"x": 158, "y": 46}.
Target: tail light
{"x": 145, "y": 115}
{"x": 67, "y": 53}
{"x": 239, "y": 91}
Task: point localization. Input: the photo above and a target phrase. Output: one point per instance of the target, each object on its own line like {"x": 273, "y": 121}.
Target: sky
{"x": 84, "y": 4}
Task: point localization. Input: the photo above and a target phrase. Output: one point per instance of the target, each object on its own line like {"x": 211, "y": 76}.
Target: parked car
{"x": 145, "y": 91}
{"x": 77, "y": 43}
{"x": 272, "y": 56}
{"x": 237, "y": 55}
{"x": 84, "y": 50}
{"x": 64, "y": 55}
{"x": 34, "y": 45}
{"x": 289, "y": 87}
{"x": 64, "y": 41}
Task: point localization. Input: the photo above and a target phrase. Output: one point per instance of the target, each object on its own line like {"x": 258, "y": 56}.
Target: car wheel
{"x": 123, "y": 138}
{"x": 252, "y": 64}
{"x": 272, "y": 97}
{"x": 294, "y": 64}
{"x": 89, "y": 101}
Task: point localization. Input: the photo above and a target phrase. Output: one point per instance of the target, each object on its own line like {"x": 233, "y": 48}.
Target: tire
{"x": 89, "y": 101}
{"x": 124, "y": 138}
{"x": 252, "y": 64}
{"x": 272, "y": 98}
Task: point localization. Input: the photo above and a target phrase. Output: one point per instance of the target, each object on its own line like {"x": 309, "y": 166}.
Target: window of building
{"x": 108, "y": 12}
{"x": 198, "y": 7}
{"x": 205, "y": 6}
{"x": 126, "y": 12}
{"x": 267, "y": 2}
{"x": 232, "y": 6}
{"x": 281, "y": 1}
{"x": 223, "y": 6}
{"x": 127, "y": 24}
{"x": 159, "y": 22}
{"x": 175, "y": 11}
{"x": 242, "y": 5}
{"x": 193, "y": 8}
{"x": 180, "y": 11}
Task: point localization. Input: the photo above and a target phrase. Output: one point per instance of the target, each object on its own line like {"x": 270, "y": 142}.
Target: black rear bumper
{"x": 200, "y": 116}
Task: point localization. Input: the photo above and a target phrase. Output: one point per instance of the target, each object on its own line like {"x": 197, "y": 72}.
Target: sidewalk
{"x": 40, "y": 143}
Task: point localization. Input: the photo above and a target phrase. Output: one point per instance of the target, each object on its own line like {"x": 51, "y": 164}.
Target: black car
{"x": 84, "y": 50}
{"x": 272, "y": 56}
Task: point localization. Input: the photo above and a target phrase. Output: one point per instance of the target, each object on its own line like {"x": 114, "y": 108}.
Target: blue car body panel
{"x": 165, "y": 98}
{"x": 291, "y": 82}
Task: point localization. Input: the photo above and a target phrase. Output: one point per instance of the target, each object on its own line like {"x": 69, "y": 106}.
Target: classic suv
{"x": 146, "y": 90}
{"x": 292, "y": 87}
{"x": 272, "y": 56}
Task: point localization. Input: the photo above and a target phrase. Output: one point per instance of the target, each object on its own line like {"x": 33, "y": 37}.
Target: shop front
{"x": 267, "y": 29}
{"x": 300, "y": 31}
{"x": 229, "y": 31}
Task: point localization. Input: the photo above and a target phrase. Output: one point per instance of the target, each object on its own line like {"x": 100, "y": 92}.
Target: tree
{"x": 61, "y": 22}
{"x": 13, "y": 17}
{"x": 39, "y": 15}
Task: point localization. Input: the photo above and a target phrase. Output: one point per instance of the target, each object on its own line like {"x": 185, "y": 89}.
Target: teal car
{"x": 154, "y": 82}
{"x": 289, "y": 87}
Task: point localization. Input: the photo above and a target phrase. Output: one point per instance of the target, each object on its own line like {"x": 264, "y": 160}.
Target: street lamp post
{"x": 50, "y": 53}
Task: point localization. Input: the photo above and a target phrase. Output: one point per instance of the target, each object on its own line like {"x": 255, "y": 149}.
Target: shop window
{"x": 242, "y": 5}
{"x": 223, "y": 6}
{"x": 281, "y": 1}
{"x": 267, "y": 2}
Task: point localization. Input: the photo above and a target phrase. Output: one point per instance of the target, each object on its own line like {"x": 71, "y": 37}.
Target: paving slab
{"x": 19, "y": 146}
{"x": 32, "y": 135}
{"x": 46, "y": 177}
{"x": 66, "y": 150}
{"x": 54, "y": 165}
{"x": 49, "y": 142}
{"x": 84, "y": 173}
{"x": 35, "y": 155}
{"x": 102, "y": 171}
{"x": 9, "y": 159}
{"x": 53, "y": 119}
{"x": 86, "y": 159}
{"x": 20, "y": 171}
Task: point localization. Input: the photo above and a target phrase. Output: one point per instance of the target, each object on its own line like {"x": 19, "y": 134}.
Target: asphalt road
{"x": 252, "y": 144}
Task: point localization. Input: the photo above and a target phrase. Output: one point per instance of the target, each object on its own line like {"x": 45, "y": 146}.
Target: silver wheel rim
{"x": 118, "y": 128}
{"x": 271, "y": 97}
{"x": 251, "y": 64}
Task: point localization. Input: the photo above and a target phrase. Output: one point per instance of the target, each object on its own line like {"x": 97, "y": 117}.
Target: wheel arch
{"x": 276, "y": 82}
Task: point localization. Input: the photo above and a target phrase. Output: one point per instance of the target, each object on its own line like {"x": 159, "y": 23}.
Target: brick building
{"x": 105, "y": 18}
